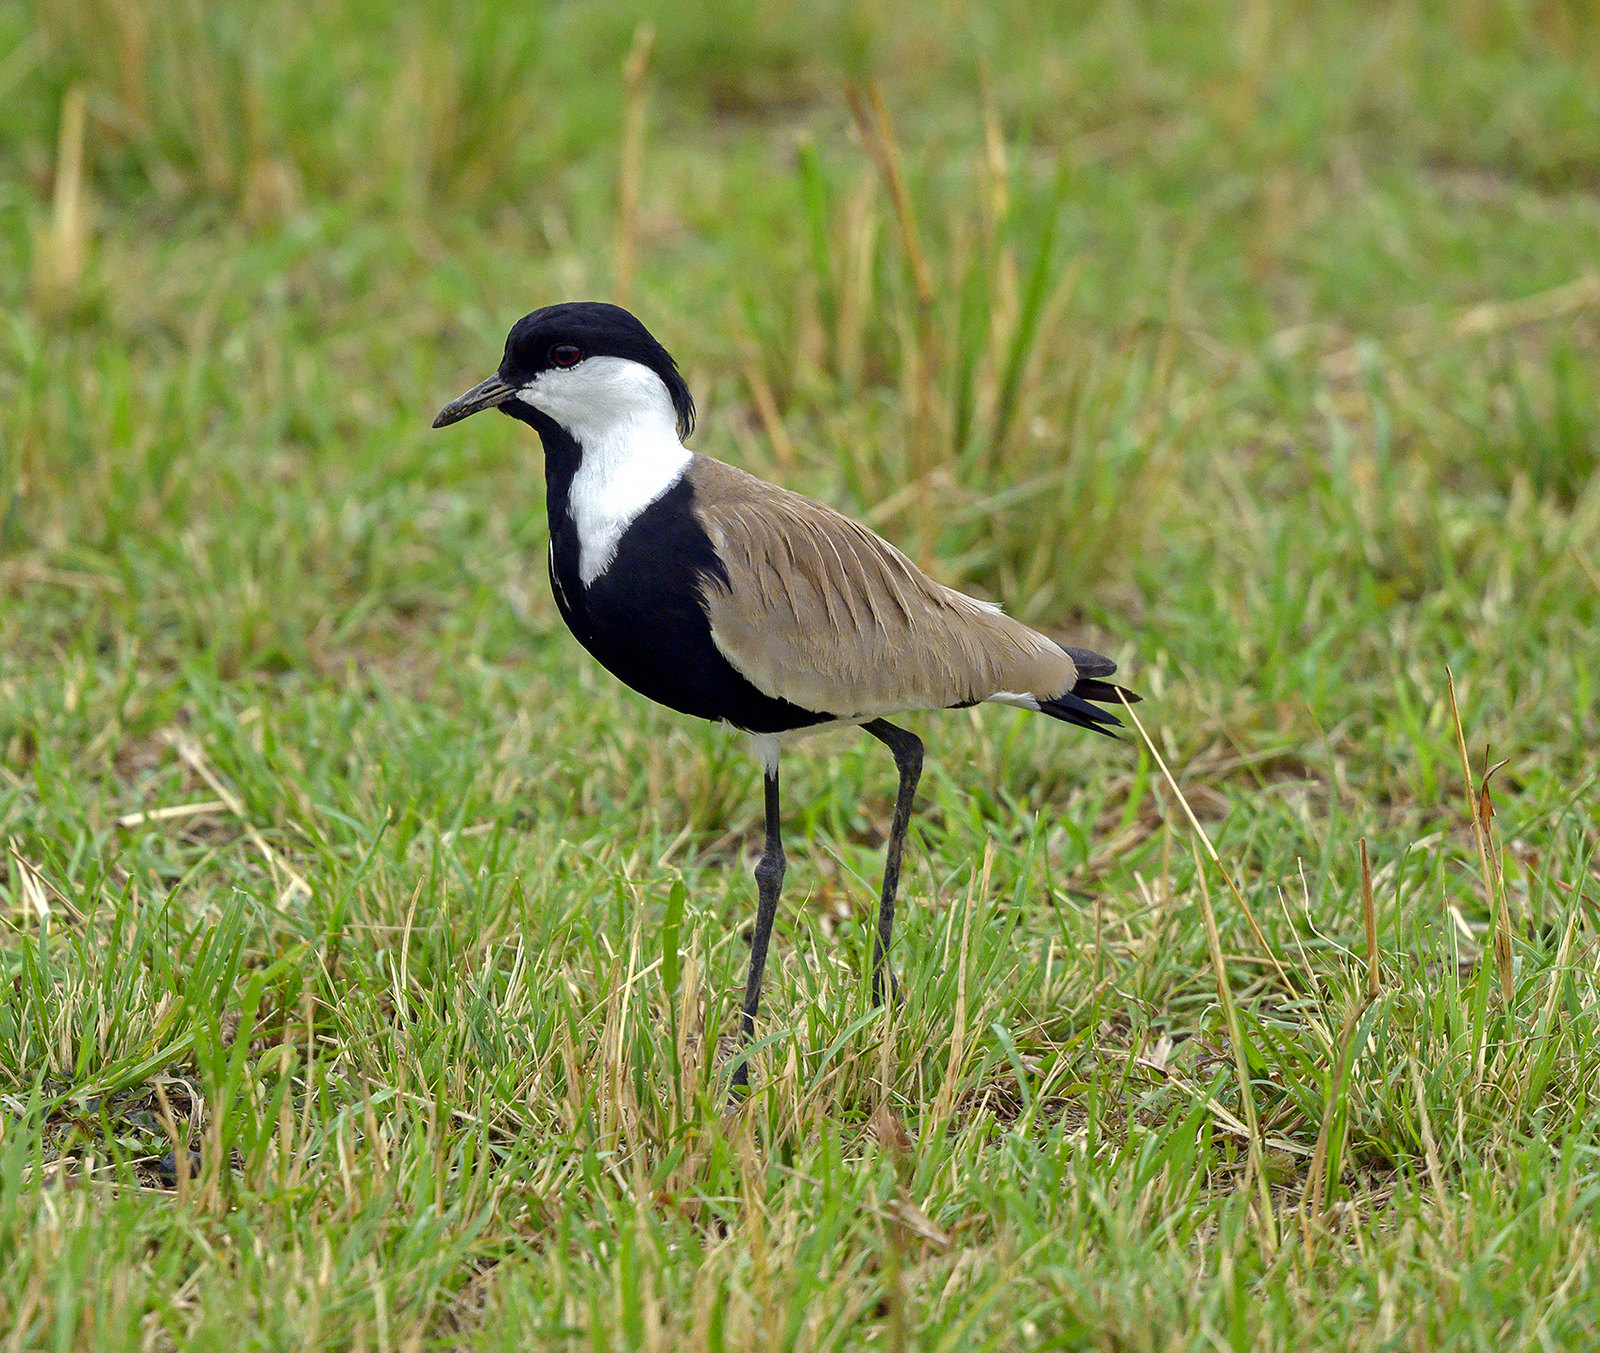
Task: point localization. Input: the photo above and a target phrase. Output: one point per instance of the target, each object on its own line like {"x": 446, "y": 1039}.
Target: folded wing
{"x": 815, "y": 609}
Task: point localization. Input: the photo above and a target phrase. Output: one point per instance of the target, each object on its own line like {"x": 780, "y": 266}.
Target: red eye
{"x": 566, "y": 354}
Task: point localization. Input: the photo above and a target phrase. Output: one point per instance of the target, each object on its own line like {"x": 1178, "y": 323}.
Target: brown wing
{"x": 819, "y": 611}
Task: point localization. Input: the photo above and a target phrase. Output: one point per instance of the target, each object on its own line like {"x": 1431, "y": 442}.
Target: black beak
{"x": 490, "y": 393}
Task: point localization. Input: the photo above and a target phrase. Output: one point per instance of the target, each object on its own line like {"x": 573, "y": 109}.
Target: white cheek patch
{"x": 621, "y": 416}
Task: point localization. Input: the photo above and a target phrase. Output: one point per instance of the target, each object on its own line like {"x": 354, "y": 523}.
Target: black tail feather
{"x": 1069, "y": 709}
{"x": 1104, "y": 692}
{"x": 1073, "y": 706}
{"x": 1089, "y": 664}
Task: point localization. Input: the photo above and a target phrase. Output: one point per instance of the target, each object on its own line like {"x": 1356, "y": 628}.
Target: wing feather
{"x": 815, "y": 609}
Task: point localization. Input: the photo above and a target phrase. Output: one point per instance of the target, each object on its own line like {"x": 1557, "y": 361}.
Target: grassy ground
{"x": 1255, "y": 344}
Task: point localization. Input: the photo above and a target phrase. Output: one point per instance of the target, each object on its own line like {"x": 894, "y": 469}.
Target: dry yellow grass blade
{"x": 190, "y": 753}
{"x": 877, "y": 132}
{"x": 172, "y": 812}
{"x": 1430, "y": 1153}
{"x": 631, "y": 168}
{"x": 1312, "y": 1196}
{"x": 1479, "y": 812}
{"x": 34, "y": 892}
{"x": 977, "y": 892}
{"x": 1369, "y": 922}
{"x": 32, "y": 571}
{"x": 61, "y": 249}
{"x": 1480, "y": 321}
{"x": 767, "y": 410}
{"x": 1211, "y": 850}
{"x": 1589, "y": 570}
{"x": 1254, "y": 1153}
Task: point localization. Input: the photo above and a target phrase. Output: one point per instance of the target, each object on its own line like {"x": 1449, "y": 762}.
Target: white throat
{"x": 621, "y": 416}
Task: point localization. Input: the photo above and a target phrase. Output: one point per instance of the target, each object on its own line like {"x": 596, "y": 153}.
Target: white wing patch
{"x": 1016, "y": 698}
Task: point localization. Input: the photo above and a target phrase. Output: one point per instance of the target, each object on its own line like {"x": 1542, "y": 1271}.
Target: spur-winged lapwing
{"x": 721, "y": 596}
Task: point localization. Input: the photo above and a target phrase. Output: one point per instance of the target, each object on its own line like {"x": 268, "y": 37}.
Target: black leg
{"x": 907, "y": 749}
{"x": 769, "y": 879}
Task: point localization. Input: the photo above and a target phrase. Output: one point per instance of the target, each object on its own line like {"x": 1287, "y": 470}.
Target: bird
{"x": 719, "y": 595}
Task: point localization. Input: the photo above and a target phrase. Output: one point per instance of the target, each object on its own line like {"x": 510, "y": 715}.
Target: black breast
{"x": 644, "y": 622}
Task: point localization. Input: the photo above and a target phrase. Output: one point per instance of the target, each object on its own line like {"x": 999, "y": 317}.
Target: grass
{"x": 1255, "y": 344}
